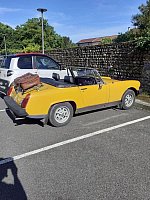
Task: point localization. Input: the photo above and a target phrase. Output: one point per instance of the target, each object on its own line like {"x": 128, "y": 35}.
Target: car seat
{"x": 56, "y": 76}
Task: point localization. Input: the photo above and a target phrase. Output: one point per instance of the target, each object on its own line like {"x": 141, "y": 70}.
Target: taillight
{"x": 25, "y": 101}
{"x": 9, "y": 91}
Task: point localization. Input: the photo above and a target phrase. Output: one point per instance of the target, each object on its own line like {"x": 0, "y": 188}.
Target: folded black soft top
{"x": 60, "y": 83}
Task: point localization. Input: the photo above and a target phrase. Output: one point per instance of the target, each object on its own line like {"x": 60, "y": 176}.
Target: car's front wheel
{"x": 128, "y": 99}
{"x": 60, "y": 114}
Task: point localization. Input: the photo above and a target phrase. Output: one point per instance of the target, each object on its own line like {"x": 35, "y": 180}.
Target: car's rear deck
{"x": 57, "y": 83}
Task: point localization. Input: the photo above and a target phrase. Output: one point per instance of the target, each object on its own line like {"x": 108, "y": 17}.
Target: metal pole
{"x": 42, "y": 10}
{"x": 5, "y": 45}
{"x": 42, "y": 33}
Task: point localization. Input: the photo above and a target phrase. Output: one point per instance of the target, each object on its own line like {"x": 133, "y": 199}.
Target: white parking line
{"x": 72, "y": 140}
{"x": 102, "y": 120}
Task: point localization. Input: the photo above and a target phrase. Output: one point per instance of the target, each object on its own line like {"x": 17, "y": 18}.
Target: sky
{"x": 77, "y": 19}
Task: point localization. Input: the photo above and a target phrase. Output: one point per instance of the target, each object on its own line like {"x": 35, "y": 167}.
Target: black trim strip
{"x": 36, "y": 116}
{"x": 96, "y": 107}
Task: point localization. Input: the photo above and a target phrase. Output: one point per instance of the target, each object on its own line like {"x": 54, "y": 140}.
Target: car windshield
{"x": 87, "y": 72}
{"x": 5, "y": 62}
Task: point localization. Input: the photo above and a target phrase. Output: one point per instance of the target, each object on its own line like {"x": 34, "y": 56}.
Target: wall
{"x": 125, "y": 61}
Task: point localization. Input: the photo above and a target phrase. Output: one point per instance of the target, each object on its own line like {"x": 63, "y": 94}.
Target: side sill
{"x": 96, "y": 107}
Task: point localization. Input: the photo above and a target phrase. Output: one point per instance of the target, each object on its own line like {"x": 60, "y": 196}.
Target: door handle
{"x": 83, "y": 88}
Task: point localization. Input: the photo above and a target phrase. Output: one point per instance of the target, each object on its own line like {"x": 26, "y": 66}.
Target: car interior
{"x": 69, "y": 81}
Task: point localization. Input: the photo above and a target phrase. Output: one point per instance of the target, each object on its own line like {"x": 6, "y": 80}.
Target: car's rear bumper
{"x": 14, "y": 107}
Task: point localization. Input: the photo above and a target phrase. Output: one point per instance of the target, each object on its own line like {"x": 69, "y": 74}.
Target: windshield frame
{"x": 86, "y": 72}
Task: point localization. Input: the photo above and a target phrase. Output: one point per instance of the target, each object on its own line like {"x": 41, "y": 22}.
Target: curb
{"x": 142, "y": 104}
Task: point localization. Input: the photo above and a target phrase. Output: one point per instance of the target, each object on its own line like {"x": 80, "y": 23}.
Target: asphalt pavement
{"x": 99, "y": 155}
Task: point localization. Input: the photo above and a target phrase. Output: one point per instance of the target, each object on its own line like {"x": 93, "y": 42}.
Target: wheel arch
{"x": 134, "y": 90}
{"x": 122, "y": 104}
{"x": 131, "y": 88}
{"x": 73, "y": 104}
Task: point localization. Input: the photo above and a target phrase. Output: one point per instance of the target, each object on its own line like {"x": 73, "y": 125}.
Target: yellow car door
{"x": 94, "y": 94}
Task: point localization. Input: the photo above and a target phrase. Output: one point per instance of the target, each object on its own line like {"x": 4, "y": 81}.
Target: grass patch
{"x": 144, "y": 97}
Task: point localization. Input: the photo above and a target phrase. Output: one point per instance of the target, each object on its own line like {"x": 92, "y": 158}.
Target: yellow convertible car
{"x": 83, "y": 89}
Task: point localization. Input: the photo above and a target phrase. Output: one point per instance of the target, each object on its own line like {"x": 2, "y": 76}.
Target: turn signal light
{"x": 25, "y": 101}
{"x": 9, "y": 91}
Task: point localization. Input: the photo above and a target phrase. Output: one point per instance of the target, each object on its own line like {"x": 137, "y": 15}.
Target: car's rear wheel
{"x": 128, "y": 99}
{"x": 60, "y": 114}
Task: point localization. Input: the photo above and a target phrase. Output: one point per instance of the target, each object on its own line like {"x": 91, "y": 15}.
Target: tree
{"x": 128, "y": 36}
{"x": 7, "y": 32}
{"x": 27, "y": 37}
{"x": 30, "y": 33}
{"x": 106, "y": 41}
{"x": 66, "y": 42}
{"x": 142, "y": 20}
{"x": 141, "y": 33}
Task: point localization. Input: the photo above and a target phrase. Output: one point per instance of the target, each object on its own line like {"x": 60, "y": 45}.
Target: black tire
{"x": 60, "y": 114}
{"x": 128, "y": 100}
